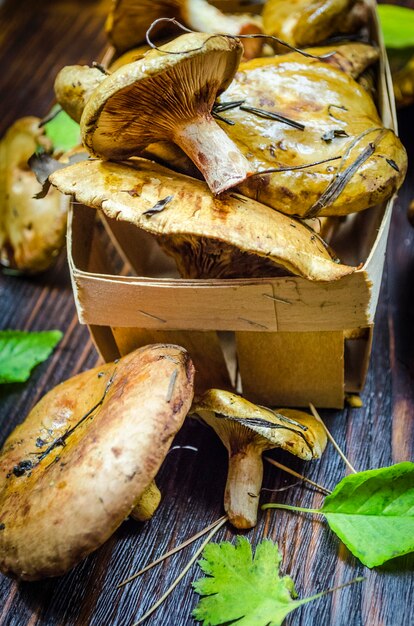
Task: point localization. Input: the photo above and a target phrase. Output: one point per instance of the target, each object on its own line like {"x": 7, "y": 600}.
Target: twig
{"x": 324, "y": 490}
{"x": 183, "y": 545}
{"x": 330, "y": 437}
{"x": 183, "y": 573}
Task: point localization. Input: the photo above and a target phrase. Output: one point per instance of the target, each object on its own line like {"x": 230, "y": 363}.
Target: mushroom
{"x": 147, "y": 504}
{"x": 353, "y": 58}
{"x": 325, "y": 114}
{"x": 73, "y": 87}
{"x": 226, "y": 237}
{"x": 168, "y": 95}
{"x": 129, "y": 20}
{"x": 305, "y": 22}
{"x": 32, "y": 230}
{"x": 80, "y": 462}
{"x": 247, "y": 431}
{"x": 403, "y": 83}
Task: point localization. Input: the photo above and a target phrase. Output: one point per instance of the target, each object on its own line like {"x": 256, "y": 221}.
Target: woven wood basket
{"x": 281, "y": 341}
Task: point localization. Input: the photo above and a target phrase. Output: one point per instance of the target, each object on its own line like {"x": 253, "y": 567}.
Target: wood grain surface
{"x": 36, "y": 39}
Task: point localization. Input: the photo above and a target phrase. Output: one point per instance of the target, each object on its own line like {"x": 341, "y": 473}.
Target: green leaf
{"x": 63, "y": 132}
{"x": 240, "y": 587}
{"x": 20, "y": 351}
{"x": 397, "y": 25}
{"x": 372, "y": 512}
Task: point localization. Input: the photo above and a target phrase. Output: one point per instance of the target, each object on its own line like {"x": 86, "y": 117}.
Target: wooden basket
{"x": 281, "y": 341}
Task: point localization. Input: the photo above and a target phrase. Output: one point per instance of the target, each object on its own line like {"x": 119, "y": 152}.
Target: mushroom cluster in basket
{"x": 240, "y": 154}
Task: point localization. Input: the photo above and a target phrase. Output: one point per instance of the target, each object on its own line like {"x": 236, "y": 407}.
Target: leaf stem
{"x": 330, "y": 437}
{"x": 183, "y": 545}
{"x": 183, "y": 573}
{"x": 290, "y": 508}
{"x": 359, "y": 579}
{"x": 324, "y": 490}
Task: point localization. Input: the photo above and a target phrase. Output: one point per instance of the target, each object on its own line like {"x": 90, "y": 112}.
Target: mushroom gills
{"x": 169, "y": 95}
{"x": 207, "y": 236}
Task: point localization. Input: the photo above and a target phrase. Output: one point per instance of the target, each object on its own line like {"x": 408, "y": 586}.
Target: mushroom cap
{"x": 239, "y": 423}
{"x": 351, "y": 57}
{"x": 58, "y": 503}
{"x": 324, "y": 99}
{"x": 149, "y": 99}
{"x": 73, "y": 87}
{"x": 209, "y": 237}
{"x": 129, "y": 20}
{"x": 306, "y": 22}
{"x": 32, "y": 230}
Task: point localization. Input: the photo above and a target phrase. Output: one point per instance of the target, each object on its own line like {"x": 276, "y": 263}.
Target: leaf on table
{"x": 241, "y": 587}
{"x": 20, "y": 351}
{"x": 372, "y": 512}
{"x": 397, "y": 24}
{"x": 62, "y": 130}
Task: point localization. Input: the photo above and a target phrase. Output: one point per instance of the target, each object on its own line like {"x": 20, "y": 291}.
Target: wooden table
{"x": 37, "y": 38}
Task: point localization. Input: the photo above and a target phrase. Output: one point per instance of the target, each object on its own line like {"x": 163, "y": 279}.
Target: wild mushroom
{"x": 247, "y": 431}
{"x": 73, "y": 87}
{"x": 307, "y": 22}
{"x": 168, "y": 95}
{"x": 32, "y": 230}
{"x": 353, "y": 58}
{"x": 129, "y": 21}
{"x": 226, "y": 237}
{"x": 80, "y": 462}
{"x": 323, "y": 114}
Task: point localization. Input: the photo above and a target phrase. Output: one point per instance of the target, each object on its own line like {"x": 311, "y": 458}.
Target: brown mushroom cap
{"x": 60, "y": 502}
{"x": 168, "y": 95}
{"x": 32, "y": 230}
{"x": 226, "y": 237}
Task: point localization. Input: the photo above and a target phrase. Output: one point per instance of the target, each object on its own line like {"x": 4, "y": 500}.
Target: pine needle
{"x": 183, "y": 573}
{"x": 183, "y": 545}
{"x": 324, "y": 490}
{"x": 330, "y": 437}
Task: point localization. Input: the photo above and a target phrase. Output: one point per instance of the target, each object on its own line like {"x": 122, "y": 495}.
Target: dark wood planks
{"x": 36, "y": 39}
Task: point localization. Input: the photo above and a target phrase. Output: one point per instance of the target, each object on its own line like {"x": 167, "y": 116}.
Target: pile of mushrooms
{"x": 224, "y": 163}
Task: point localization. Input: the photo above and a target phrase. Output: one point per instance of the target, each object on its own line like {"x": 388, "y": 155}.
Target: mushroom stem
{"x": 147, "y": 504}
{"x": 244, "y": 481}
{"x": 213, "y": 152}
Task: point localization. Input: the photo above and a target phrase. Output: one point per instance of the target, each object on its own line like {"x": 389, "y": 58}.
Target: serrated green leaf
{"x": 242, "y": 587}
{"x": 372, "y": 512}
{"x": 397, "y": 24}
{"x": 20, "y": 351}
{"x": 63, "y": 132}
